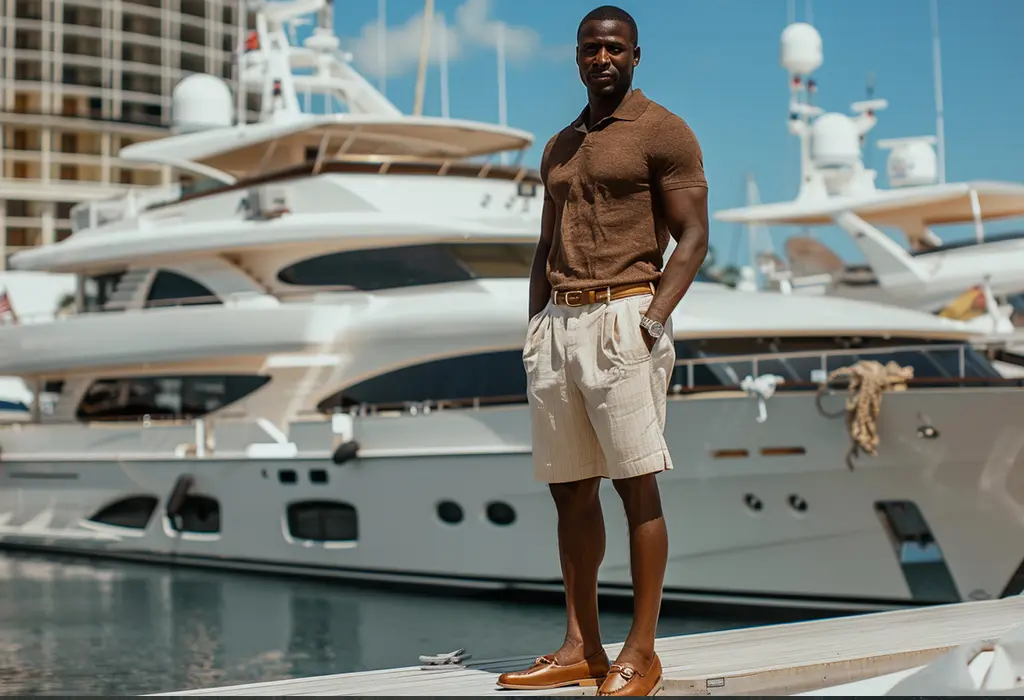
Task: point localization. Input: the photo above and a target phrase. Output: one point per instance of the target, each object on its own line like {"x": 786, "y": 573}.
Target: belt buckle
{"x": 567, "y": 296}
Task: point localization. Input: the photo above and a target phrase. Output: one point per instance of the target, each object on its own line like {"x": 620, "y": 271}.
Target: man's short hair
{"x": 613, "y": 13}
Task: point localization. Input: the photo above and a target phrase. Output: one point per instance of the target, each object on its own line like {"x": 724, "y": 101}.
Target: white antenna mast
{"x": 382, "y": 45}
{"x": 940, "y": 130}
{"x": 444, "y": 67}
{"x": 502, "y": 108}
{"x": 752, "y": 199}
{"x": 421, "y": 77}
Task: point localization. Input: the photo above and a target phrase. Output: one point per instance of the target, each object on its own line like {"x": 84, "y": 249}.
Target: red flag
{"x": 5, "y": 306}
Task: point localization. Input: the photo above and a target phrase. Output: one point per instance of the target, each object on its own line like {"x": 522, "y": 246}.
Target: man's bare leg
{"x": 648, "y": 557}
{"x": 581, "y": 542}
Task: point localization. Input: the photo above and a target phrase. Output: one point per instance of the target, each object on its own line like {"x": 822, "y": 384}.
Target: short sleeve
{"x": 545, "y": 166}
{"x": 674, "y": 157}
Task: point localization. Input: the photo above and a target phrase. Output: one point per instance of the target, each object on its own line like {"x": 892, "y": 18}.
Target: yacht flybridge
{"x": 836, "y": 189}
{"x": 309, "y": 362}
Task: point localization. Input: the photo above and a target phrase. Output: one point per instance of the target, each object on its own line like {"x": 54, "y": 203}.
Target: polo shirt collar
{"x": 628, "y": 110}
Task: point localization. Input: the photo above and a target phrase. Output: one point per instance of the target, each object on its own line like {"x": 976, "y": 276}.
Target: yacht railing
{"x": 522, "y": 176}
{"x": 757, "y": 362}
{"x": 94, "y": 214}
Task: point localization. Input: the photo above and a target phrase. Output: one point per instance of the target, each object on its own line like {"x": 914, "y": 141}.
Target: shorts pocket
{"x": 623, "y": 339}
{"x": 534, "y": 339}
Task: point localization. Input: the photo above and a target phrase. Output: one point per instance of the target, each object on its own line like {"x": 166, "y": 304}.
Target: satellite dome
{"x": 913, "y": 162}
{"x": 201, "y": 101}
{"x": 835, "y": 141}
{"x": 801, "y": 49}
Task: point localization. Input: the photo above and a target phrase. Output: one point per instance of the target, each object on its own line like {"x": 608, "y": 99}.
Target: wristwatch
{"x": 653, "y": 328}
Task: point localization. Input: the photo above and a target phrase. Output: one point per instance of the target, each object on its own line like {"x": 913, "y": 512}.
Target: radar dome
{"x": 801, "y": 49}
{"x": 200, "y": 102}
{"x": 913, "y": 163}
{"x": 835, "y": 141}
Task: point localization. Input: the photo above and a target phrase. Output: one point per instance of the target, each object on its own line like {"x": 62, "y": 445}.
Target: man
{"x": 599, "y": 351}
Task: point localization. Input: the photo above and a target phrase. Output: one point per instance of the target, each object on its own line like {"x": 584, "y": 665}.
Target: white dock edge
{"x": 773, "y": 660}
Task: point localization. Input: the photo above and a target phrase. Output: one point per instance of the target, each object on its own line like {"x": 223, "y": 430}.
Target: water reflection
{"x": 81, "y": 627}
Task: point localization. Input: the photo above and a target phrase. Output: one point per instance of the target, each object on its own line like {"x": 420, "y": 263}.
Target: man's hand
{"x": 648, "y": 340}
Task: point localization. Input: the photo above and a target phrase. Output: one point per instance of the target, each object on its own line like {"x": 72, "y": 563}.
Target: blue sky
{"x": 716, "y": 63}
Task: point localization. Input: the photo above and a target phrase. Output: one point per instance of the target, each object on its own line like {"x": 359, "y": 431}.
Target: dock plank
{"x": 775, "y": 659}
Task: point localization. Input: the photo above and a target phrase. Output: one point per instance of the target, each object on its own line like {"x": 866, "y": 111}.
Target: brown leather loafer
{"x": 546, "y": 674}
{"x": 624, "y": 679}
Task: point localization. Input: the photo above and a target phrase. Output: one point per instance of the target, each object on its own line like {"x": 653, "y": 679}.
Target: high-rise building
{"x": 79, "y": 80}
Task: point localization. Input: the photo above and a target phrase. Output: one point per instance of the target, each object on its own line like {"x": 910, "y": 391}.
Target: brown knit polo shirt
{"x": 606, "y": 186}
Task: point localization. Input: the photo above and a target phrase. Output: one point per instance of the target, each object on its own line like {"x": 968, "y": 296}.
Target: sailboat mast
{"x": 421, "y": 77}
{"x": 382, "y": 39}
{"x": 940, "y": 127}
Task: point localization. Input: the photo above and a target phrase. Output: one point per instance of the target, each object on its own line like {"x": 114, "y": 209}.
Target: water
{"x": 86, "y": 627}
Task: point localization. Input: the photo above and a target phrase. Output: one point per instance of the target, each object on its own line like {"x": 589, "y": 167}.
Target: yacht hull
{"x": 764, "y": 514}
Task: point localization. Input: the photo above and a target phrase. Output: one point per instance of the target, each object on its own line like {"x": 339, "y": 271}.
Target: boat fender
{"x": 178, "y": 494}
{"x": 345, "y": 452}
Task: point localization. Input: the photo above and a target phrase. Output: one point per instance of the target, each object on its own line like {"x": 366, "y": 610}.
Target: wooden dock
{"x": 773, "y": 660}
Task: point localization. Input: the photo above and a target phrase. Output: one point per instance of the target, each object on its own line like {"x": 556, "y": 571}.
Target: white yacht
{"x": 836, "y": 189}
{"x": 311, "y": 364}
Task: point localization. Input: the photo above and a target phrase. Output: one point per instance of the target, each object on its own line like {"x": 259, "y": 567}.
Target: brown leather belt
{"x": 581, "y": 297}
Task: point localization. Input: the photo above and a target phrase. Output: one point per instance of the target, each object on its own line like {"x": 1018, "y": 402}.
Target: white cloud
{"x": 473, "y": 24}
{"x": 473, "y": 28}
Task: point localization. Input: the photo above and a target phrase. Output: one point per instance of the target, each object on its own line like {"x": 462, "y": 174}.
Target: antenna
{"x": 382, "y": 44}
{"x": 502, "y": 108}
{"x": 421, "y": 77}
{"x": 869, "y": 93}
{"x": 444, "y": 67}
{"x": 940, "y": 131}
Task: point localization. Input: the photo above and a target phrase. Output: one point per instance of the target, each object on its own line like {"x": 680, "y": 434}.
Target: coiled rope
{"x": 869, "y": 379}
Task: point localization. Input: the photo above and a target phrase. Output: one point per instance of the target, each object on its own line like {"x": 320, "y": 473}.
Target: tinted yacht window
{"x": 99, "y": 290}
{"x": 410, "y": 266}
{"x": 172, "y": 289}
{"x": 494, "y": 377}
{"x": 720, "y": 362}
{"x": 164, "y": 397}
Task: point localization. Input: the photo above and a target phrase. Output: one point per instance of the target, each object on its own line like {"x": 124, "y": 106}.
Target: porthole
{"x": 287, "y": 476}
{"x": 450, "y": 512}
{"x": 753, "y": 502}
{"x": 500, "y": 513}
{"x": 797, "y": 503}
{"x": 317, "y": 476}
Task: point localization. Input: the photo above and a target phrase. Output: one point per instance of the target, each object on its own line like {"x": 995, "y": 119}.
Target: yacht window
{"x": 164, "y": 397}
{"x": 172, "y": 289}
{"x": 717, "y": 369}
{"x": 133, "y": 512}
{"x": 323, "y": 521}
{"x": 99, "y": 290}
{"x": 199, "y": 514}
{"x": 493, "y": 378}
{"x": 409, "y": 266}
{"x": 719, "y": 372}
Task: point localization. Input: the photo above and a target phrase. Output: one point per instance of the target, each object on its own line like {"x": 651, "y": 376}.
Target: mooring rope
{"x": 869, "y": 379}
